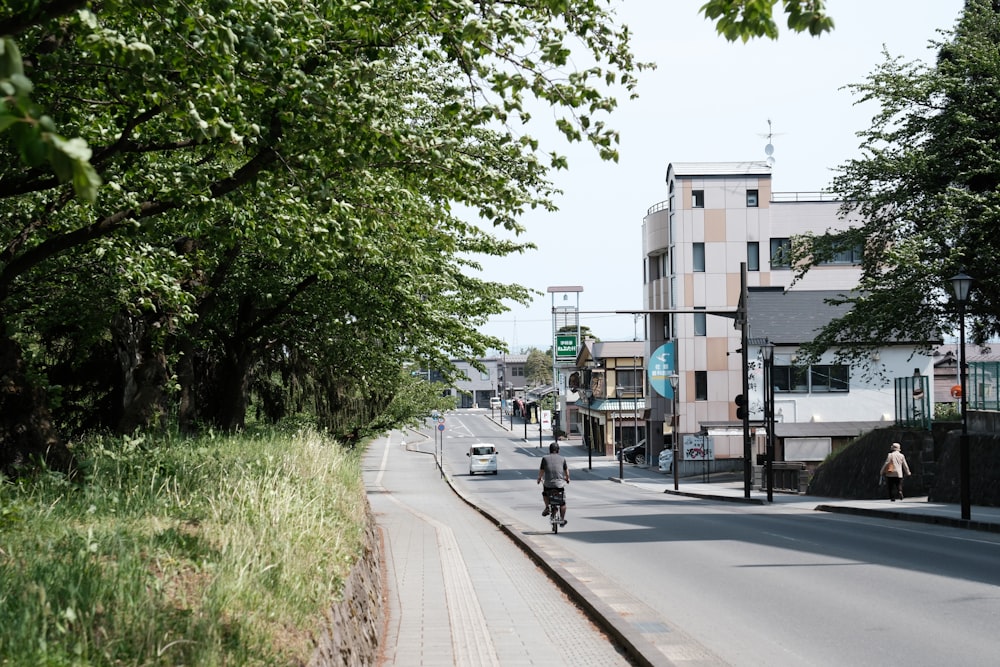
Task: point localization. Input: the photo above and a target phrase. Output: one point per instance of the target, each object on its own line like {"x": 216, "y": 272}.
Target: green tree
{"x": 279, "y": 183}
{"x": 927, "y": 193}
{"x": 538, "y": 368}
{"x": 745, "y": 19}
{"x": 264, "y": 162}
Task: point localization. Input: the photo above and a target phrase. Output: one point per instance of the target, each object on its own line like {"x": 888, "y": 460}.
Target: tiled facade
{"x": 717, "y": 217}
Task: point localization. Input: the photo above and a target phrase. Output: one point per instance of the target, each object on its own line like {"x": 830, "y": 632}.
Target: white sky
{"x": 709, "y": 100}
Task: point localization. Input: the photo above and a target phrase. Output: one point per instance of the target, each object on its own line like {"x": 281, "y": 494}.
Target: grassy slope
{"x": 221, "y": 550}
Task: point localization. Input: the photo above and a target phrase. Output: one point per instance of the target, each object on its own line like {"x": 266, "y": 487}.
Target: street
{"x": 748, "y": 584}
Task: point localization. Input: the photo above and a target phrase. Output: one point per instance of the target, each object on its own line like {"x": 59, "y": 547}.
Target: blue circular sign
{"x": 661, "y": 366}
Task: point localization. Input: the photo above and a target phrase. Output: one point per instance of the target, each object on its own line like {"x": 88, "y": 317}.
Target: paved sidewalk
{"x": 458, "y": 591}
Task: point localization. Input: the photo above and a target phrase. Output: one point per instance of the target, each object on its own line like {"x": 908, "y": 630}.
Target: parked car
{"x": 495, "y": 403}
{"x": 482, "y": 458}
{"x": 666, "y": 460}
{"x": 634, "y": 453}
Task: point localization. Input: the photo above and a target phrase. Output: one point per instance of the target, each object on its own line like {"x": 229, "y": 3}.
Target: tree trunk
{"x": 187, "y": 412}
{"x": 27, "y": 436}
{"x": 144, "y": 375}
{"x": 232, "y": 385}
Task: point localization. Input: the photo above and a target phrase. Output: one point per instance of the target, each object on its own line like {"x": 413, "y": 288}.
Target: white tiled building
{"x": 717, "y": 217}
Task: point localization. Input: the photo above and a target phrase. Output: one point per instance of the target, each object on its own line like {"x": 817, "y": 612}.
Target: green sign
{"x": 566, "y": 346}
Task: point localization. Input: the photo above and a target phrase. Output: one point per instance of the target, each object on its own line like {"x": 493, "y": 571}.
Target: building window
{"x": 829, "y": 378}
{"x": 753, "y": 256}
{"x": 849, "y": 256}
{"x": 698, "y": 257}
{"x": 701, "y": 385}
{"x": 793, "y": 379}
{"x": 630, "y": 381}
{"x": 781, "y": 252}
{"x": 814, "y": 379}
{"x": 751, "y": 199}
{"x": 697, "y": 199}
{"x": 517, "y": 371}
{"x": 700, "y": 322}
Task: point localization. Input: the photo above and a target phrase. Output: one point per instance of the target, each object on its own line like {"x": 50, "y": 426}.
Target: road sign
{"x": 441, "y": 427}
{"x": 661, "y": 366}
{"x": 566, "y": 347}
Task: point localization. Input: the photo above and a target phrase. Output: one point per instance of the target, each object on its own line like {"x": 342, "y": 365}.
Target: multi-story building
{"x": 718, "y": 219}
{"x": 608, "y": 395}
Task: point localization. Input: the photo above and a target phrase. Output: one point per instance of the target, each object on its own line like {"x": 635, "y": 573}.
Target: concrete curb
{"x": 640, "y": 650}
{"x": 982, "y": 526}
{"x": 730, "y": 499}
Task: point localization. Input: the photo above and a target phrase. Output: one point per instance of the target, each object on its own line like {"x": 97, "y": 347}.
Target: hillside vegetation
{"x": 207, "y": 551}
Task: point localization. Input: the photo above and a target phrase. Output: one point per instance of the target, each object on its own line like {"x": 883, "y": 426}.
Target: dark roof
{"x": 826, "y": 429}
{"x": 947, "y": 354}
{"x": 594, "y": 350}
{"x": 791, "y": 317}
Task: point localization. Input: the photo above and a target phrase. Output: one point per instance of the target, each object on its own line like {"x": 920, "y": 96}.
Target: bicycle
{"x": 557, "y": 498}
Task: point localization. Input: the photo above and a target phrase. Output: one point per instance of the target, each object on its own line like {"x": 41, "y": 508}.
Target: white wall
{"x": 869, "y": 398}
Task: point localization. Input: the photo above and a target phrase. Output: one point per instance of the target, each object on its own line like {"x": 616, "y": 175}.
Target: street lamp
{"x": 962, "y": 283}
{"x": 635, "y": 413}
{"x": 586, "y": 430}
{"x": 675, "y": 423}
{"x": 768, "y": 351}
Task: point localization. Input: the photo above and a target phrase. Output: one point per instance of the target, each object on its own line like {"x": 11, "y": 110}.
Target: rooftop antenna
{"x": 769, "y": 149}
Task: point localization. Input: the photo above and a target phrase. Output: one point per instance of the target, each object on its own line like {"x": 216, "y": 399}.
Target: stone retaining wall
{"x": 352, "y": 630}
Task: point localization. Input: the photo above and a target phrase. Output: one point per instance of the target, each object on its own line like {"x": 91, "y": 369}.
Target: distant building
{"x": 503, "y": 376}
{"x": 719, "y": 216}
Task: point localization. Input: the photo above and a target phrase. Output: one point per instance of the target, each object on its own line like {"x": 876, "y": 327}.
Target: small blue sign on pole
{"x": 440, "y": 427}
{"x": 661, "y": 366}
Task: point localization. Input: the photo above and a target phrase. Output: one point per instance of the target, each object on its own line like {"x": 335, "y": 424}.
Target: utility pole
{"x": 742, "y": 322}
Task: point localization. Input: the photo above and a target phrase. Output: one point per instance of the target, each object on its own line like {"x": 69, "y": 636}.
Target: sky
{"x": 708, "y": 100}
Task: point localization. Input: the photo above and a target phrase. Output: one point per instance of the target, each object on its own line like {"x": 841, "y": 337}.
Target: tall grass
{"x": 215, "y": 551}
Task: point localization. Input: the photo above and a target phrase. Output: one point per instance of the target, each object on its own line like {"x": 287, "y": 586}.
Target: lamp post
{"x": 675, "y": 423}
{"x": 635, "y": 412}
{"x": 588, "y": 431}
{"x": 962, "y": 283}
{"x": 768, "y": 350}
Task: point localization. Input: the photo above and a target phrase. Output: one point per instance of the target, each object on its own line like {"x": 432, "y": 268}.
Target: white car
{"x": 495, "y": 403}
{"x": 482, "y": 458}
{"x": 666, "y": 460}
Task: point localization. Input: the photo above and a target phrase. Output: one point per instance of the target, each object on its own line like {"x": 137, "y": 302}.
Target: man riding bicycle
{"x": 555, "y": 472}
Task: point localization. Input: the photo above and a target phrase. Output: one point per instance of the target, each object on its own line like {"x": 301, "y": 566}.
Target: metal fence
{"x": 913, "y": 402}
{"x": 982, "y": 383}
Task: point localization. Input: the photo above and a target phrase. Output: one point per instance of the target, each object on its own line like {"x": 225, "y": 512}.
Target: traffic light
{"x": 741, "y": 406}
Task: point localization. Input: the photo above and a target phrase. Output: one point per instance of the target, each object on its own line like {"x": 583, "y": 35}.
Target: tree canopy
{"x": 746, "y": 19}
{"x": 927, "y": 192}
{"x": 209, "y": 206}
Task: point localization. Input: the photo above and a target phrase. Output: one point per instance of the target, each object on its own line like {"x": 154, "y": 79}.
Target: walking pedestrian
{"x": 894, "y": 470}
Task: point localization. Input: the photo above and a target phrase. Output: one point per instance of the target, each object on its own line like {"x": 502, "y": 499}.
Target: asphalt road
{"x": 757, "y": 585}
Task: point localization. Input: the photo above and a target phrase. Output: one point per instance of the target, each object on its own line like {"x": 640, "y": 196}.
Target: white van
{"x": 494, "y": 403}
{"x": 482, "y": 458}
